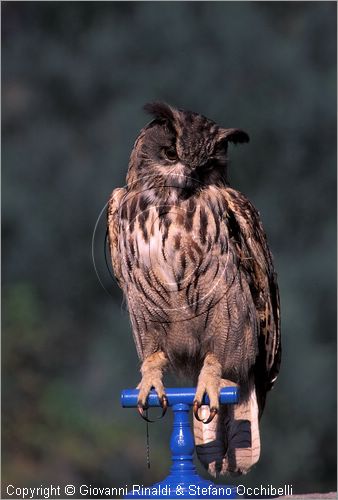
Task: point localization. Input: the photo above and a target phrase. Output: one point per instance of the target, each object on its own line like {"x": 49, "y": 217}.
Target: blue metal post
{"x": 183, "y": 480}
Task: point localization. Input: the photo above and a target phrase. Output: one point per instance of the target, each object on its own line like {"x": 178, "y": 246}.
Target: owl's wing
{"x": 114, "y": 208}
{"x": 257, "y": 264}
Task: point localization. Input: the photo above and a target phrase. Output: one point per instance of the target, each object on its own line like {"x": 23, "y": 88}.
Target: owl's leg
{"x": 209, "y": 381}
{"x": 152, "y": 372}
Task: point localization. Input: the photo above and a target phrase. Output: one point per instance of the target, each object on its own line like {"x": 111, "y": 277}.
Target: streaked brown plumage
{"x": 191, "y": 257}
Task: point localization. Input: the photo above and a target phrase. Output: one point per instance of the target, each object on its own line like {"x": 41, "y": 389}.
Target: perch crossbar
{"x": 183, "y": 480}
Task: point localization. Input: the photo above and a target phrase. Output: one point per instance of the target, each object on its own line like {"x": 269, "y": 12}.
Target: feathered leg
{"x": 152, "y": 372}
{"x": 211, "y": 439}
{"x": 230, "y": 444}
{"x": 208, "y": 382}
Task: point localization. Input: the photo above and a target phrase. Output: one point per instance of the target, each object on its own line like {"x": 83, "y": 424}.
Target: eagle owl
{"x": 191, "y": 257}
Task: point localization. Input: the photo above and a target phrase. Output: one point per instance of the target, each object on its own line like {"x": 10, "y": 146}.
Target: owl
{"x": 192, "y": 259}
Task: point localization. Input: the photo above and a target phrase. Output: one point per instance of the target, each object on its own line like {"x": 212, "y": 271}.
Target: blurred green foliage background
{"x": 74, "y": 78}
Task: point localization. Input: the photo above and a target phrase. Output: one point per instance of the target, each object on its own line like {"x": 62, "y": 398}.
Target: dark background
{"x": 74, "y": 78}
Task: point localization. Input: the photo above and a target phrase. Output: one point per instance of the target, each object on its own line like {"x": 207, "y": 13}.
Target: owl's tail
{"x": 230, "y": 444}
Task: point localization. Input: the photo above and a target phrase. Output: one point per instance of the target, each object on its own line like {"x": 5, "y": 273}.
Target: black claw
{"x": 141, "y": 409}
{"x": 196, "y": 407}
{"x": 213, "y": 413}
{"x": 164, "y": 404}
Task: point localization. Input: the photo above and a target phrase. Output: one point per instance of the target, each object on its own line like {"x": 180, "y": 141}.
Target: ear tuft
{"x": 235, "y": 135}
{"x": 159, "y": 110}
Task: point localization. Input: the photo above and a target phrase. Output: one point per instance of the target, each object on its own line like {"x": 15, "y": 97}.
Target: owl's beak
{"x": 178, "y": 176}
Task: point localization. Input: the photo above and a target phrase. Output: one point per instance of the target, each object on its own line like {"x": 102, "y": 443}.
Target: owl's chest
{"x": 156, "y": 239}
{"x": 172, "y": 242}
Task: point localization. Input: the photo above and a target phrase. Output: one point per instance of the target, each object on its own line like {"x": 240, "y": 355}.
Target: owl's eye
{"x": 170, "y": 153}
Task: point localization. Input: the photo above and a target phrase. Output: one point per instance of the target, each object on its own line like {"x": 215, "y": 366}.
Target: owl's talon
{"x": 196, "y": 407}
{"x": 141, "y": 409}
{"x": 164, "y": 405}
{"x": 212, "y": 415}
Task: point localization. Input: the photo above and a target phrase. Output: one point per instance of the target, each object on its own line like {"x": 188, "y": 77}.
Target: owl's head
{"x": 181, "y": 150}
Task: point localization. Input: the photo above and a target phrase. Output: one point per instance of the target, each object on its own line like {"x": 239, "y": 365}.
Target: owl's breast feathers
{"x": 182, "y": 260}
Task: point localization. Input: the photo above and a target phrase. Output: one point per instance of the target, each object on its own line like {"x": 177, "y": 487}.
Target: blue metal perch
{"x": 183, "y": 480}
